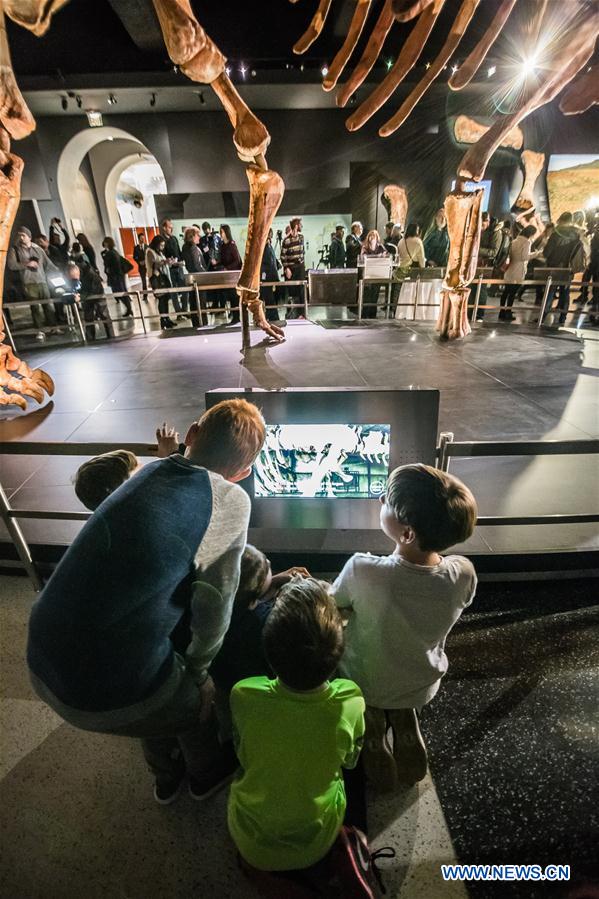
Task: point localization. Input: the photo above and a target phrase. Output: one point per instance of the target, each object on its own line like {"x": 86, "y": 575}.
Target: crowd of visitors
{"x": 511, "y": 250}
{"x": 161, "y": 624}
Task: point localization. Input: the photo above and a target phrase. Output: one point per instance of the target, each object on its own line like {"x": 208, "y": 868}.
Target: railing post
{"x": 141, "y": 312}
{"x": 305, "y": 292}
{"x": 8, "y": 333}
{"x": 80, "y": 323}
{"x": 198, "y": 303}
{"x": 445, "y": 438}
{"x": 360, "y": 298}
{"x": 544, "y": 303}
{"x": 416, "y": 299}
{"x": 479, "y": 287}
{"x": 19, "y": 541}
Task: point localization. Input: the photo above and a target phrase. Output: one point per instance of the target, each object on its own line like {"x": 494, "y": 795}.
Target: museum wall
{"x": 326, "y": 169}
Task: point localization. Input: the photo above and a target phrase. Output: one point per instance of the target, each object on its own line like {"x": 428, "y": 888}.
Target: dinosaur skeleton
{"x": 570, "y": 53}
{"x": 200, "y": 59}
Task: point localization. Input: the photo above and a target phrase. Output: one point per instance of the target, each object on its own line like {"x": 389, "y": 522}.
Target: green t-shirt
{"x": 287, "y": 806}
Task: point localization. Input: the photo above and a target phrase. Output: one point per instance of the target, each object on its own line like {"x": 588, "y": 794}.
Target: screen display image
{"x": 348, "y": 461}
{"x": 573, "y": 184}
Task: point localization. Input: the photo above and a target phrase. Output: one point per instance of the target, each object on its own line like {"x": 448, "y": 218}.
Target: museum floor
{"x": 513, "y": 760}
{"x": 501, "y": 383}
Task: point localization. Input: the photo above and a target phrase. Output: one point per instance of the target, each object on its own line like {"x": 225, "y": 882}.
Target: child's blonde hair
{"x": 229, "y": 436}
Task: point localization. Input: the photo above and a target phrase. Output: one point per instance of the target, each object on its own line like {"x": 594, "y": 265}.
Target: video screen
{"x": 573, "y": 184}
{"x": 323, "y": 460}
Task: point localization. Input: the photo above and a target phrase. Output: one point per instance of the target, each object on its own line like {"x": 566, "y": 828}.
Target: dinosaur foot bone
{"x": 453, "y": 317}
{"x": 18, "y": 380}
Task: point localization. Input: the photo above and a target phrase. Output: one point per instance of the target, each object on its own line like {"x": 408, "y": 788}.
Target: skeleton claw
{"x": 28, "y": 382}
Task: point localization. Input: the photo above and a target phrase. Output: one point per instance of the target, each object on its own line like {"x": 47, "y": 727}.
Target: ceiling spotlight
{"x": 302, "y": 67}
{"x": 112, "y": 99}
{"x": 324, "y": 71}
{"x": 202, "y": 98}
{"x": 389, "y": 63}
{"x": 491, "y": 71}
{"x": 428, "y": 65}
{"x": 64, "y": 102}
{"x": 176, "y": 70}
{"x": 228, "y": 71}
{"x": 454, "y": 70}
{"x": 253, "y": 73}
{"x": 153, "y": 100}
{"x": 78, "y": 101}
{"x": 94, "y": 118}
{"x": 242, "y": 70}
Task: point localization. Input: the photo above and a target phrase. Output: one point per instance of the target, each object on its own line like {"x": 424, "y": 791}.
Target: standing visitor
{"x": 210, "y": 246}
{"x": 60, "y": 235}
{"x": 391, "y": 241}
{"x": 521, "y": 253}
{"x": 88, "y": 249}
{"x": 230, "y": 261}
{"x": 353, "y": 245}
{"x": 410, "y": 250}
{"x": 139, "y": 256}
{"x": 372, "y": 246}
{"x": 116, "y": 268}
{"x": 337, "y": 250}
{"x": 159, "y": 273}
{"x": 559, "y": 253}
{"x": 293, "y": 260}
{"x": 436, "y": 241}
{"x": 94, "y": 309}
{"x": 194, "y": 262}
{"x": 269, "y": 271}
{"x": 33, "y": 267}
{"x": 172, "y": 251}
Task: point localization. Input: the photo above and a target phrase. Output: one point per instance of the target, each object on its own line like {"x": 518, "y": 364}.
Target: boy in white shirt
{"x": 401, "y": 609}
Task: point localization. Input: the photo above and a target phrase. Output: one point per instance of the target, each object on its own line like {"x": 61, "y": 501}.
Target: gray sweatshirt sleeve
{"x": 218, "y": 562}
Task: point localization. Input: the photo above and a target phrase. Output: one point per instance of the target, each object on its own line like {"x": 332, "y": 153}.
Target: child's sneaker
{"x": 409, "y": 748}
{"x": 217, "y": 777}
{"x": 167, "y": 789}
{"x": 377, "y": 756}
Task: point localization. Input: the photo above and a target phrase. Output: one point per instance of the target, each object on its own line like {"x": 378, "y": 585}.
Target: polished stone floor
{"x": 513, "y": 749}
{"x": 500, "y": 383}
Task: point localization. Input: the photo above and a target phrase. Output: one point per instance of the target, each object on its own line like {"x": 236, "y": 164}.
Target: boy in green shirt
{"x": 293, "y": 735}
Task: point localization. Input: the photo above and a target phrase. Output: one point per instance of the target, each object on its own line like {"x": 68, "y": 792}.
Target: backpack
{"x": 578, "y": 260}
{"x": 126, "y": 266}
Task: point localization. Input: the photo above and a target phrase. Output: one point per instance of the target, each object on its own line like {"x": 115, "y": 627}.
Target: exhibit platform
{"x": 501, "y": 383}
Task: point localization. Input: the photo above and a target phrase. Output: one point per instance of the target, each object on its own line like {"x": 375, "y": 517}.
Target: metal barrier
{"x": 447, "y": 449}
{"x": 145, "y": 316}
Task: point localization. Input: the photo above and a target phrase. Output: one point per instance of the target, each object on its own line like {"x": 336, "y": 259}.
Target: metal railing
{"x": 448, "y": 448}
{"x": 145, "y": 315}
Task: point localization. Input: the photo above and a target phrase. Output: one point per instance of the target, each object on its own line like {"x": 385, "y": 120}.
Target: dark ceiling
{"x": 91, "y": 36}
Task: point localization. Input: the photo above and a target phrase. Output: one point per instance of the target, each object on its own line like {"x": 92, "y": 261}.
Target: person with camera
{"x": 293, "y": 257}
{"x": 337, "y": 248}
{"x": 33, "y": 267}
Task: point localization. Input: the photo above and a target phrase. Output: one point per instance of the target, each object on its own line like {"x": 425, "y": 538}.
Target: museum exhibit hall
{"x": 299, "y": 449}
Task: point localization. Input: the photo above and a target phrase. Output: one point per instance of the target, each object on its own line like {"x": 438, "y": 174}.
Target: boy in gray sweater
{"x": 401, "y": 608}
